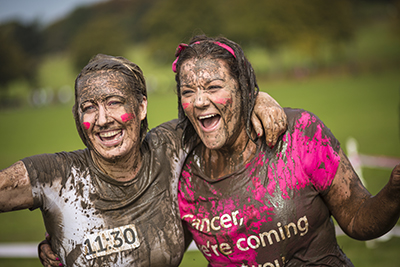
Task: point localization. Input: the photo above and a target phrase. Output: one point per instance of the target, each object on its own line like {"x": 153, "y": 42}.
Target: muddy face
{"x": 211, "y": 99}
{"x": 109, "y": 114}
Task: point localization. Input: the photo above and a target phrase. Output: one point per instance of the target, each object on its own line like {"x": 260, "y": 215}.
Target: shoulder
{"x": 164, "y": 134}
{"x": 300, "y": 117}
{"x": 60, "y": 161}
{"x": 306, "y": 123}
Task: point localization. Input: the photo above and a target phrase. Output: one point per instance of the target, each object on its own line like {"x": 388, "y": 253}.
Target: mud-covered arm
{"x": 361, "y": 215}
{"x": 268, "y": 118}
{"x": 15, "y": 188}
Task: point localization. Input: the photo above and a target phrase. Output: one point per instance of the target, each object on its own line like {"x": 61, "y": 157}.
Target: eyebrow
{"x": 103, "y": 99}
{"x": 206, "y": 83}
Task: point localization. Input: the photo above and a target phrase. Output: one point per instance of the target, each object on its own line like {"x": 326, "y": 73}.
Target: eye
{"x": 214, "y": 87}
{"x": 114, "y": 102}
{"x": 87, "y": 107}
{"x": 186, "y": 92}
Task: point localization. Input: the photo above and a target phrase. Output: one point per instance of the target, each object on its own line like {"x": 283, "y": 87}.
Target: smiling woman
{"x": 249, "y": 204}
{"x": 114, "y": 202}
{"x": 111, "y": 118}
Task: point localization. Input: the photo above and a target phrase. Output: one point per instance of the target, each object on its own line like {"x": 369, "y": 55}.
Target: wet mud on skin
{"x": 15, "y": 188}
{"x": 110, "y": 122}
{"x": 97, "y": 88}
{"x": 204, "y": 79}
{"x": 352, "y": 206}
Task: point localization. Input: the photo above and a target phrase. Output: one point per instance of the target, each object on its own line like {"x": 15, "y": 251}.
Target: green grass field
{"x": 364, "y": 106}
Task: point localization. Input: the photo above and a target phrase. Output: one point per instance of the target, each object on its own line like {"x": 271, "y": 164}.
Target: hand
{"x": 269, "y": 117}
{"x": 47, "y": 257}
{"x": 394, "y": 181}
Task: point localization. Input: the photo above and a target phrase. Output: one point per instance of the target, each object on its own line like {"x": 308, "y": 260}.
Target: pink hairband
{"x": 183, "y": 46}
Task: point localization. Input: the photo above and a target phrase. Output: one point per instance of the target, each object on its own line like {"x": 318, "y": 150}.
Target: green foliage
{"x": 57, "y": 71}
{"x": 98, "y": 36}
{"x": 310, "y": 31}
{"x": 58, "y": 35}
{"x": 303, "y": 25}
{"x": 17, "y": 52}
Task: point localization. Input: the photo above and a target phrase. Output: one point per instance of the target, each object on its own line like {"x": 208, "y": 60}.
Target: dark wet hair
{"x": 240, "y": 69}
{"x": 133, "y": 75}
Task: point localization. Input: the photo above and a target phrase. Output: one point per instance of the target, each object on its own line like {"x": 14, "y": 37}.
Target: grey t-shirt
{"x": 96, "y": 221}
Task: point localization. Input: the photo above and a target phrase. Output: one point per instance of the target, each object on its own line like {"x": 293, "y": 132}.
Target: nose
{"x": 103, "y": 117}
{"x": 201, "y": 99}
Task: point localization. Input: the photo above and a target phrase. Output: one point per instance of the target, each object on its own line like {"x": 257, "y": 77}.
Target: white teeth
{"x": 109, "y": 134}
{"x": 206, "y": 116}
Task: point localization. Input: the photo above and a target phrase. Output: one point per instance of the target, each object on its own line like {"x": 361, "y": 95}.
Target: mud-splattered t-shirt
{"x": 96, "y": 221}
{"x": 270, "y": 213}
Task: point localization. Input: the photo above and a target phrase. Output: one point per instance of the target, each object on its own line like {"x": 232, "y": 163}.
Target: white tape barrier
{"x": 18, "y": 250}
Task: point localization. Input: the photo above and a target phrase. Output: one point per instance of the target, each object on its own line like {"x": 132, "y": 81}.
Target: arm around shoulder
{"x": 15, "y": 188}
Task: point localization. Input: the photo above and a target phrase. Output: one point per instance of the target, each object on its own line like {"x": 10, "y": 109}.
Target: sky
{"x": 45, "y": 11}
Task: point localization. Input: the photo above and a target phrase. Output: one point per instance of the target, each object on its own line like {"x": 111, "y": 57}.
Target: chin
{"x": 110, "y": 156}
{"x": 212, "y": 145}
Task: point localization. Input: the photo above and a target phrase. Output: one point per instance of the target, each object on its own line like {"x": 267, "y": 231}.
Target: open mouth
{"x": 110, "y": 137}
{"x": 209, "y": 122}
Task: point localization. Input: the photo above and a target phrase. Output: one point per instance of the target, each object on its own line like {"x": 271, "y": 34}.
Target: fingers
{"x": 268, "y": 118}
{"x": 275, "y": 126}
{"x": 395, "y": 176}
{"x": 257, "y": 125}
{"x": 47, "y": 256}
{"x": 271, "y": 122}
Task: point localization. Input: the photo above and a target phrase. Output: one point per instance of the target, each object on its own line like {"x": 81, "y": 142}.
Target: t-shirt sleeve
{"x": 44, "y": 171}
{"x": 318, "y": 150}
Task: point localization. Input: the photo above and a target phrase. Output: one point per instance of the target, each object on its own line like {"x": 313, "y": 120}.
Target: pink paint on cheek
{"x": 127, "y": 117}
{"x": 223, "y": 101}
{"x": 86, "y": 125}
{"x": 185, "y": 105}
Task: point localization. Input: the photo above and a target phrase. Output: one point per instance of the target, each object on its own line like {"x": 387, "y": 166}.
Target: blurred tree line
{"x": 110, "y": 27}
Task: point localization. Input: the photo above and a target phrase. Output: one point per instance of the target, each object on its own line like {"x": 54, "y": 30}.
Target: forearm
{"x": 361, "y": 215}
{"x": 15, "y": 188}
{"x": 377, "y": 214}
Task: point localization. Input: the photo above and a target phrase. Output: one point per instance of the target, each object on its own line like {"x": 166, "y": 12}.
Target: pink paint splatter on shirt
{"x": 86, "y": 125}
{"x": 259, "y": 190}
{"x": 127, "y": 117}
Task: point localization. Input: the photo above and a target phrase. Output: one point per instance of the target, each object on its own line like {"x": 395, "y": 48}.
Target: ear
{"x": 143, "y": 109}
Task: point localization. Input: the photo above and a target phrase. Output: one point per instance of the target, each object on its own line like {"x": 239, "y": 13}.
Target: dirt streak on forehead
{"x": 97, "y": 85}
{"x": 206, "y": 69}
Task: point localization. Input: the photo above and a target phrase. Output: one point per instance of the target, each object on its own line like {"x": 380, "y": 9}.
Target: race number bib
{"x": 110, "y": 241}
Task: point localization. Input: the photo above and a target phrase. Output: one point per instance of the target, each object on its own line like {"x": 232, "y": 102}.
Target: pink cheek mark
{"x": 223, "y": 101}
{"x": 86, "y": 125}
{"x": 127, "y": 117}
{"x": 185, "y": 105}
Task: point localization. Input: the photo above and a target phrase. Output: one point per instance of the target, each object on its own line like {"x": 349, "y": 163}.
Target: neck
{"x": 120, "y": 169}
{"x": 220, "y": 162}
